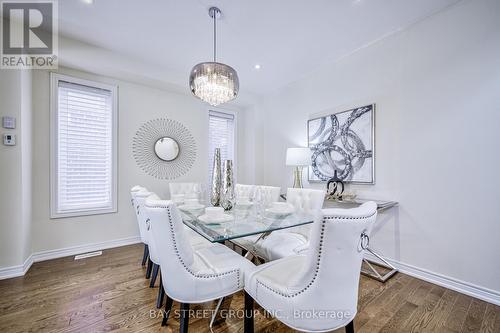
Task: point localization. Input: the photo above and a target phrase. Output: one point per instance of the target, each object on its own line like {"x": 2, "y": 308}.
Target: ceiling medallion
{"x": 214, "y": 82}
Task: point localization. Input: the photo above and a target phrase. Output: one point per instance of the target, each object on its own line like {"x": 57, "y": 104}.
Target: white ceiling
{"x": 288, "y": 38}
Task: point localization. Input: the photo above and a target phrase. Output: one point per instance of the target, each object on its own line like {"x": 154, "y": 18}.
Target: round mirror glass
{"x": 167, "y": 149}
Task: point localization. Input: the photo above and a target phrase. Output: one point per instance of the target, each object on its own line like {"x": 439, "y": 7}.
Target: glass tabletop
{"x": 240, "y": 223}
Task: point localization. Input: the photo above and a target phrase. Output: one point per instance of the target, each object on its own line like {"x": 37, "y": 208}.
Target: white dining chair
{"x": 133, "y": 191}
{"x": 268, "y": 194}
{"x": 153, "y": 261}
{"x": 184, "y": 188}
{"x": 191, "y": 275}
{"x": 244, "y": 191}
{"x": 287, "y": 242}
{"x": 154, "y": 267}
{"x": 325, "y": 279}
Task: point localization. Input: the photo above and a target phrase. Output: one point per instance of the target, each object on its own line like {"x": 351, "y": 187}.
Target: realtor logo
{"x": 29, "y": 34}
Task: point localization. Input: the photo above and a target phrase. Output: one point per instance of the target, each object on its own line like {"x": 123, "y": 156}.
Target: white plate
{"x": 191, "y": 207}
{"x": 224, "y": 218}
{"x": 280, "y": 212}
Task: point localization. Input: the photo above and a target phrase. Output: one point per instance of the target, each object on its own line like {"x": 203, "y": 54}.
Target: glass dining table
{"x": 242, "y": 223}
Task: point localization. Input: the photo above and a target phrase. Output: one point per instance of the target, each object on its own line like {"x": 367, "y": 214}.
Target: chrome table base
{"x": 224, "y": 302}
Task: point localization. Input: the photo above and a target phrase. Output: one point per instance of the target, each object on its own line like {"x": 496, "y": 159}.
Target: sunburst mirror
{"x": 164, "y": 148}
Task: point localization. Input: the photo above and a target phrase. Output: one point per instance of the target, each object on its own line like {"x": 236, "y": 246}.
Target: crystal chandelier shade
{"x": 214, "y": 82}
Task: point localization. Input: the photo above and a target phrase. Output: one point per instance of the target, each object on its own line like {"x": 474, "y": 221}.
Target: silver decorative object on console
{"x": 216, "y": 179}
{"x": 228, "y": 196}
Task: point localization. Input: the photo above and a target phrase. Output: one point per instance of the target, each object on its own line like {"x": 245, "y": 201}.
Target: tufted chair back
{"x": 144, "y": 224}
{"x": 306, "y": 201}
{"x": 269, "y": 193}
{"x": 241, "y": 190}
{"x": 184, "y": 188}
{"x": 329, "y": 277}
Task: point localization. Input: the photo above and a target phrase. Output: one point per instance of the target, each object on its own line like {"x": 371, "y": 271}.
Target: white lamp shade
{"x": 298, "y": 156}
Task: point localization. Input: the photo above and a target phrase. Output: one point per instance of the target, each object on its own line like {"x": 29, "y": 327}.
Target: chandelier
{"x": 214, "y": 82}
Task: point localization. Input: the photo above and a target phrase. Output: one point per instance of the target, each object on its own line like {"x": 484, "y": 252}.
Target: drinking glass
{"x": 258, "y": 201}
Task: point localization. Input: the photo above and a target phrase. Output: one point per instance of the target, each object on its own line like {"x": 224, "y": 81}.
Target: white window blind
{"x": 221, "y": 133}
{"x": 84, "y": 150}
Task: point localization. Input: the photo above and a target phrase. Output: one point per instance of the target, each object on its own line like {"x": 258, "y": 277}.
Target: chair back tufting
{"x": 307, "y": 201}
{"x": 269, "y": 194}
{"x": 244, "y": 191}
{"x": 183, "y": 188}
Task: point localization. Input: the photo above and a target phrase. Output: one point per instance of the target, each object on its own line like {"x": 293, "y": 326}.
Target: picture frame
{"x": 343, "y": 142}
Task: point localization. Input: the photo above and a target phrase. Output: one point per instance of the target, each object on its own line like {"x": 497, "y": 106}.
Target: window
{"x": 221, "y": 134}
{"x": 83, "y": 147}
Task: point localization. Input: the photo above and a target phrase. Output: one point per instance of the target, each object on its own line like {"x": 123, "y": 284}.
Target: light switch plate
{"x": 9, "y": 122}
{"x": 9, "y": 139}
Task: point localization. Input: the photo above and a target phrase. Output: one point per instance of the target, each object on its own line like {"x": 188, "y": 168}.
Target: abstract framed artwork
{"x": 343, "y": 142}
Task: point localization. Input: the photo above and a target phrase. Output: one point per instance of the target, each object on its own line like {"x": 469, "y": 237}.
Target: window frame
{"x": 235, "y": 140}
{"x": 54, "y": 131}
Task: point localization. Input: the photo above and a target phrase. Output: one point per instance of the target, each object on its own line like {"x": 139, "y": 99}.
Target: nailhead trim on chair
{"x": 316, "y": 272}
{"x": 202, "y": 276}
{"x": 348, "y": 217}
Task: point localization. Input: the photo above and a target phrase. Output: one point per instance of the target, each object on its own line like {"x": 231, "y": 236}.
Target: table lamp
{"x": 299, "y": 158}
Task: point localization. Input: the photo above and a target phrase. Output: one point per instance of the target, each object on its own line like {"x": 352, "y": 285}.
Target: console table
{"x": 381, "y": 206}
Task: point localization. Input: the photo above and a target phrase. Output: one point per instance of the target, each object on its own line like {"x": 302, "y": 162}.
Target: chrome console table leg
{"x": 373, "y": 273}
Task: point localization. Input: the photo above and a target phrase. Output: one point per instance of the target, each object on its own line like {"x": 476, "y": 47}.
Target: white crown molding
{"x": 463, "y": 287}
{"x": 20, "y": 270}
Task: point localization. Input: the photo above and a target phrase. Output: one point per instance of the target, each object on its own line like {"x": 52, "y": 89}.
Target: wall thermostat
{"x": 9, "y": 139}
{"x": 9, "y": 122}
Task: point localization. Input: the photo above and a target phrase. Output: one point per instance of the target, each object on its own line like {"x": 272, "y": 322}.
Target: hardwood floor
{"x": 109, "y": 293}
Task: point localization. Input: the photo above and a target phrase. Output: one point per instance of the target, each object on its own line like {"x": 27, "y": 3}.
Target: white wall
{"x": 436, "y": 86}
{"x": 26, "y": 143}
{"x": 137, "y": 104}
{"x": 15, "y": 169}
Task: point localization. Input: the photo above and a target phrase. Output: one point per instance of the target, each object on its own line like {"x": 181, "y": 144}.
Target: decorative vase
{"x": 336, "y": 191}
{"x": 216, "y": 179}
{"x": 228, "y": 186}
